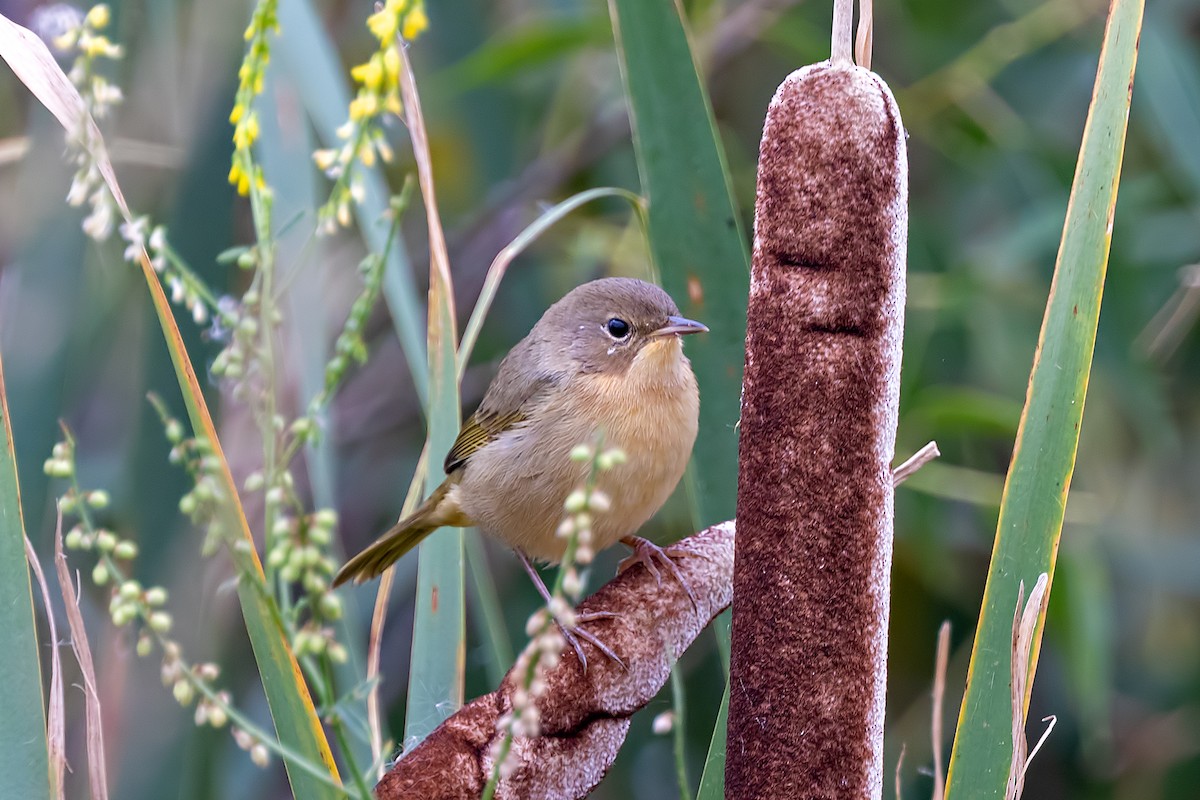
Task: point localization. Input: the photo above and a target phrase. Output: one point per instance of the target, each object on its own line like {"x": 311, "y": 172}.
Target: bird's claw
{"x": 573, "y": 635}
{"x": 646, "y": 552}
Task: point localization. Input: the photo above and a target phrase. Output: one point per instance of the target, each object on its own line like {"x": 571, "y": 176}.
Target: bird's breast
{"x": 514, "y": 487}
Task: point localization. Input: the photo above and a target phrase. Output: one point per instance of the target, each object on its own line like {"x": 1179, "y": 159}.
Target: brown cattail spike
{"x": 814, "y": 516}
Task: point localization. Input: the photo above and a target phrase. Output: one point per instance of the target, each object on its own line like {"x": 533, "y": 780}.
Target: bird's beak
{"x": 680, "y": 325}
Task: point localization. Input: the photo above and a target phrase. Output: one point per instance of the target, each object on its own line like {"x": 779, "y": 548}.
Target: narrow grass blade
{"x": 490, "y": 610}
{"x": 695, "y": 230}
{"x": 679, "y": 731}
{"x": 291, "y": 705}
{"x": 1035, "y": 492}
{"x": 533, "y": 45}
{"x": 712, "y": 782}
{"x": 435, "y": 680}
{"x": 379, "y": 620}
{"x": 24, "y": 754}
{"x": 307, "y": 53}
{"x": 285, "y": 148}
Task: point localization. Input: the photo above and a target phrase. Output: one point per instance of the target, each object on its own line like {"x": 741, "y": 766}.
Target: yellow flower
{"x": 383, "y": 25}
{"x": 238, "y": 178}
{"x": 369, "y": 74}
{"x": 98, "y": 17}
{"x": 235, "y": 116}
{"x": 415, "y": 22}
{"x": 93, "y": 46}
{"x": 363, "y": 106}
{"x": 391, "y": 104}
{"x": 391, "y": 65}
{"x": 246, "y": 133}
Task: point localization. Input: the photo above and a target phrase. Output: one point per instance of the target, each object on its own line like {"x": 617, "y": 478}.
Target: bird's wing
{"x": 477, "y": 432}
{"x": 515, "y": 391}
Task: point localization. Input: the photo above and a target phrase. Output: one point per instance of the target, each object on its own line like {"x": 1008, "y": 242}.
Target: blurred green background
{"x": 524, "y": 104}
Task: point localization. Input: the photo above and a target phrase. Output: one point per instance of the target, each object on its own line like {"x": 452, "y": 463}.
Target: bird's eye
{"x": 617, "y": 328}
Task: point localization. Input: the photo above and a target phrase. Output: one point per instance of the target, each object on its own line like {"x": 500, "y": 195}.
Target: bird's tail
{"x": 406, "y": 534}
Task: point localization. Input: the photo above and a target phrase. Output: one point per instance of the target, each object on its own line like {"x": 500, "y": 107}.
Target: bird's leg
{"x": 573, "y": 635}
{"x": 646, "y": 552}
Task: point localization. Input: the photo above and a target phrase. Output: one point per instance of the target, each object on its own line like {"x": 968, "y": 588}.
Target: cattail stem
{"x": 843, "y": 38}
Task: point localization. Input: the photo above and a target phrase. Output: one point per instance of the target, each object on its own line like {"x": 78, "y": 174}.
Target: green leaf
{"x": 288, "y": 168}
{"x": 436, "y": 675}
{"x": 490, "y": 610}
{"x": 695, "y": 230}
{"x": 712, "y": 782}
{"x": 679, "y": 731}
{"x": 24, "y": 755}
{"x": 1035, "y": 492}
{"x": 534, "y": 45}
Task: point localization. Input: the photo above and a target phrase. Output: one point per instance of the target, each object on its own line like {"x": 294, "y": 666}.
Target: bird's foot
{"x": 574, "y": 633}
{"x": 646, "y": 553}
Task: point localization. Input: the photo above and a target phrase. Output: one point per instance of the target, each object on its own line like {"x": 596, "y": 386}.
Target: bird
{"x": 607, "y": 361}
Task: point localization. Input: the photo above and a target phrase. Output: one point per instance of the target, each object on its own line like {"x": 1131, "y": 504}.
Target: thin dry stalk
{"x": 843, "y": 35}
{"x": 439, "y": 257}
{"x": 914, "y": 462}
{"x": 97, "y": 769}
{"x": 866, "y": 34}
{"x": 1166, "y": 330}
{"x": 374, "y": 647}
{"x": 56, "y": 731}
{"x": 379, "y": 620}
{"x": 942, "y": 662}
{"x": 1052, "y": 720}
{"x": 899, "y": 765}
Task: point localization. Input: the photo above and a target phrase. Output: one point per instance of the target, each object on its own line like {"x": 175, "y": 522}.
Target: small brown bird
{"x": 606, "y": 358}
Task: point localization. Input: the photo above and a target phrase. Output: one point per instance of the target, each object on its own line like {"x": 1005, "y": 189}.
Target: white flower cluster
{"x": 99, "y": 97}
{"x": 545, "y": 625}
{"x": 132, "y": 604}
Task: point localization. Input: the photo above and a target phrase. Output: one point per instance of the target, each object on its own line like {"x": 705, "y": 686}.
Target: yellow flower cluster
{"x": 86, "y": 37}
{"x": 378, "y": 93}
{"x": 244, "y": 118}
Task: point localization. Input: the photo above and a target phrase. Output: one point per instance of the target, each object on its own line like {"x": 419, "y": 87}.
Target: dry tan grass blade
{"x": 1025, "y": 622}
{"x": 941, "y": 664}
{"x": 35, "y": 66}
{"x": 866, "y": 34}
{"x": 97, "y": 769}
{"x": 56, "y": 734}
